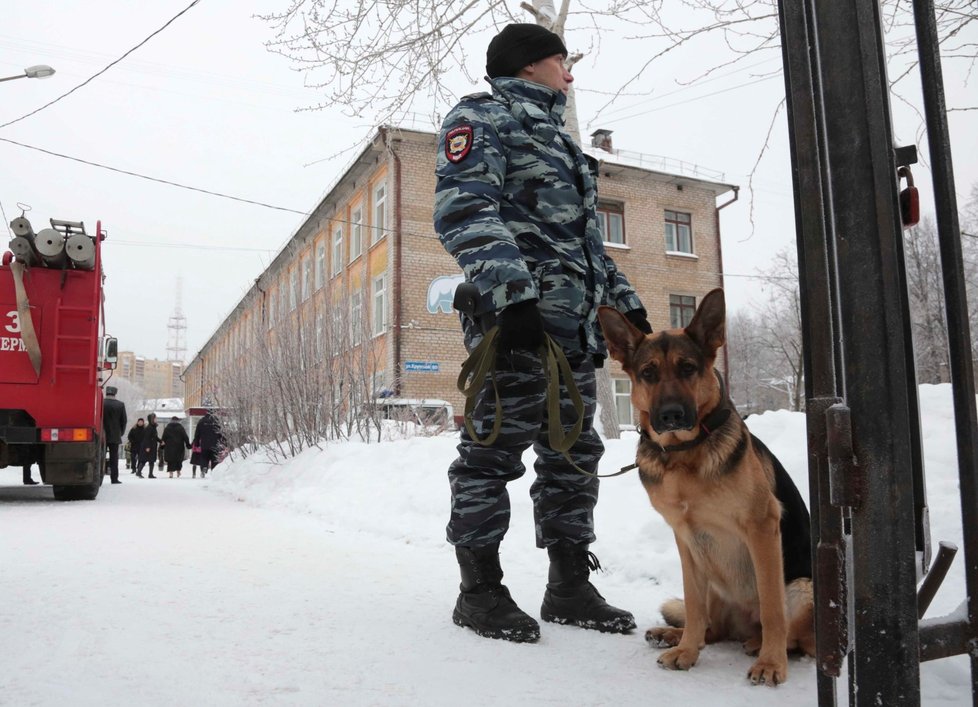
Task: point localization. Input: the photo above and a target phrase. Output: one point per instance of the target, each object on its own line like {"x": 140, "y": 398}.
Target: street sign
{"x": 422, "y": 366}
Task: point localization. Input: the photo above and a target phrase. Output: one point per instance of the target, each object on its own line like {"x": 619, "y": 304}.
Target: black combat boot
{"x": 484, "y": 604}
{"x": 571, "y": 599}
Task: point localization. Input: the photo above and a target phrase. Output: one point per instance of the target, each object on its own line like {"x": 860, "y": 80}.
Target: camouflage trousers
{"x": 563, "y": 498}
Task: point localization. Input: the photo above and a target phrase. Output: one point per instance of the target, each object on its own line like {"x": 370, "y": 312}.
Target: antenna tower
{"x": 176, "y": 347}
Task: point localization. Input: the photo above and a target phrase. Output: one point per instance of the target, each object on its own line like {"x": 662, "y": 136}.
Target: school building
{"x": 370, "y": 243}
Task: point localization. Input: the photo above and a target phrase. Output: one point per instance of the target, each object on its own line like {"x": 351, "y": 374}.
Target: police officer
{"x": 113, "y": 425}
{"x": 515, "y": 205}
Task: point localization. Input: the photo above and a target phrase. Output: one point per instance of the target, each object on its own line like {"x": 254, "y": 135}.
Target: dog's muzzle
{"x": 673, "y": 416}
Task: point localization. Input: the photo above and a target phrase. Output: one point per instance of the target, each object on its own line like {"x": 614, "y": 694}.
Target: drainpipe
{"x": 716, "y": 213}
{"x": 397, "y": 267}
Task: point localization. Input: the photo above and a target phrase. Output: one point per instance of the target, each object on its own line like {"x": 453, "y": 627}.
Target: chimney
{"x": 601, "y": 138}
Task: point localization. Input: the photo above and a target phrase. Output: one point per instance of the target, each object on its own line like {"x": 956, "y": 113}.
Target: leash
{"x": 481, "y": 364}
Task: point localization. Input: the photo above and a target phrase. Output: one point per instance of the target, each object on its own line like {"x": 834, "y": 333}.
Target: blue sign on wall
{"x": 423, "y": 366}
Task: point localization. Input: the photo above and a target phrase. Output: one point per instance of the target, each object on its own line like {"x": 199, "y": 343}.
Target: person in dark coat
{"x": 148, "y": 446}
{"x": 28, "y": 481}
{"x": 196, "y": 459}
{"x": 113, "y": 425}
{"x": 209, "y": 437}
{"x": 175, "y": 443}
{"x": 135, "y": 438}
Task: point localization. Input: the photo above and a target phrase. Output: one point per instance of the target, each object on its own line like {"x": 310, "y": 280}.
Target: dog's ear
{"x": 620, "y": 334}
{"x": 708, "y": 328}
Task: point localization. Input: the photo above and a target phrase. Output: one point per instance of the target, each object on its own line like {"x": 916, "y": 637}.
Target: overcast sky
{"x": 204, "y": 104}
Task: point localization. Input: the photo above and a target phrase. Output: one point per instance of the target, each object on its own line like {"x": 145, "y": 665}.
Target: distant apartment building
{"x": 370, "y": 244}
{"x": 155, "y": 379}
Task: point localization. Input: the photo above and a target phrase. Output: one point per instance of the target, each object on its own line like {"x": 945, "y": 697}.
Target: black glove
{"x": 520, "y": 327}
{"x": 639, "y": 320}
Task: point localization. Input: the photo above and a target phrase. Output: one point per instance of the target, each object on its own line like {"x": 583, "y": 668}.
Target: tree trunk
{"x": 606, "y": 400}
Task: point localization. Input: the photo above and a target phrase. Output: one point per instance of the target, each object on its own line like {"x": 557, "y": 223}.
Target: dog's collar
{"x": 711, "y": 423}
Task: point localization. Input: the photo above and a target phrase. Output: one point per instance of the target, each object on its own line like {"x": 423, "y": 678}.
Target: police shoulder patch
{"x": 458, "y": 143}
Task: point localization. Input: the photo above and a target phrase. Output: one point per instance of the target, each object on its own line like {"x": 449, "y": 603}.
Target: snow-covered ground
{"x": 326, "y": 580}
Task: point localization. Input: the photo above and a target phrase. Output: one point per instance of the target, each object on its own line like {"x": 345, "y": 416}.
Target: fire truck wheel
{"x": 87, "y": 492}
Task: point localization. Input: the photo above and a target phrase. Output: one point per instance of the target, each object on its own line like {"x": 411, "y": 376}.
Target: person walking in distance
{"x": 515, "y": 205}
{"x": 113, "y": 425}
{"x": 148, "y": 446}
{"x": 210, "y": 439}
{"x": 175, "y": 443}
{"x": 135, "y": 438}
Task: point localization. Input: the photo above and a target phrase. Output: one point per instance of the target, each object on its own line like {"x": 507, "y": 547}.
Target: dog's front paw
{"x": 767, "y": 671}
{"x": 679, "y": 658}
{"x": 664, "y": 636}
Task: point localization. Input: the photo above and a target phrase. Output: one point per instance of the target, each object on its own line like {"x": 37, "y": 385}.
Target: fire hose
{"x": 27, "y": 332}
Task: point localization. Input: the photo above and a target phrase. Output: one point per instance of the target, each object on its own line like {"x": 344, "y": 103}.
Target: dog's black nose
{"x": 672, "y": 416}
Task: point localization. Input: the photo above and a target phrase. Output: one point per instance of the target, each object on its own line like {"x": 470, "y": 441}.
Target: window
{"x": 306, "y": 278}
{"x": 337, "y": 251}
{"x": 356, "y": 234}
{"x": 336, "y": 332}
{"x": 380, "y": 214}
{"x": 270, "y": 316}
{"x": 320, "y": 264}
{"x": 293, "y": 288}
{"x": 380, "y": 305}
{"x": 623, "y": 401}
{"x": 356, "y": 317}
{"x": 681, "y": 310}
{"x": 679, "y": 232}
{"x": 611, "y": 221}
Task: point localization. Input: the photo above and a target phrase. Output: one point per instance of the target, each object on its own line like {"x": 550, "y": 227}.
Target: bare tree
{"x": 752, "y": 365}
{"x": 305, "y": 375}
{"x": 926, "y": 292}
{"x": 765, "y": 347}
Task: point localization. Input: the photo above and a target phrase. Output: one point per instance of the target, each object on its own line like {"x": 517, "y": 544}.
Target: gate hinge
{"x": 845, "y": 475}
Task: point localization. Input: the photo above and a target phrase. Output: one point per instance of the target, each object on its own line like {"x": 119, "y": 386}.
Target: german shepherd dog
{"x": 740, "y": 524}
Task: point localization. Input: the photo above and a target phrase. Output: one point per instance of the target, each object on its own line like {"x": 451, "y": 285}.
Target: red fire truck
{"x": 54, "y": 356}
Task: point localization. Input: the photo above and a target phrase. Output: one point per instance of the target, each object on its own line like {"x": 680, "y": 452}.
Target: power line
{"x": 613, "y": 121}
{"x": 153, "y": 179}
{"x": 194, "y": 246}
{"x": 99, "y": 73}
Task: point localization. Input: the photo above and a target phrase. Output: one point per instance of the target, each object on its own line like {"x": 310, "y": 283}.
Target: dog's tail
{"x": 674, "y": 612}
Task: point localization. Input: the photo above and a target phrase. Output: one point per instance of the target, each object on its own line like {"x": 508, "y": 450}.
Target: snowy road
{"x": 182, "y": 592}
{"x": 163, "y": 593}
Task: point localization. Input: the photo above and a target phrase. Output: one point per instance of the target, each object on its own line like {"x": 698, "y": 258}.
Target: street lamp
{"x": 40, "y": 71}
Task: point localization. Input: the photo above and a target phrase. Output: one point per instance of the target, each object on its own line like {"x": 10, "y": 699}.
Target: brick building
{"x": 155, "y": 378}
{"x": 370, "y": 244}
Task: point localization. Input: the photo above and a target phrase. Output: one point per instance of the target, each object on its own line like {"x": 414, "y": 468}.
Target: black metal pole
{"x": 818, "y": 327}
{"x": 876, "y": 367}
{"x": 955, "y": 302}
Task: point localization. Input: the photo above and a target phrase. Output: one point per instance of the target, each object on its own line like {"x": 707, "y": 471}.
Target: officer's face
{"x": 550, "y": 72}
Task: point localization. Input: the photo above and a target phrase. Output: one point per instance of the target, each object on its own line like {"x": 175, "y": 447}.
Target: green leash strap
{"x": 482, "y": 363}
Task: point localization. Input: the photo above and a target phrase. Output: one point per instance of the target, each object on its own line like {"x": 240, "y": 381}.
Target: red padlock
{"x": 909, "y": 200}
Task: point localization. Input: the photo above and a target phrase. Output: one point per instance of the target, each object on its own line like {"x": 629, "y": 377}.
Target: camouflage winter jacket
{"x": 515, "y": 206}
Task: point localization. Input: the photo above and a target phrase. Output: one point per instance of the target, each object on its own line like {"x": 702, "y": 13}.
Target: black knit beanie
{"x": 518, "y": 45}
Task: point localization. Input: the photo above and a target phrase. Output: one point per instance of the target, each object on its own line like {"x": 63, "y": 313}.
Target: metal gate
{"x": 869, "y": 512}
